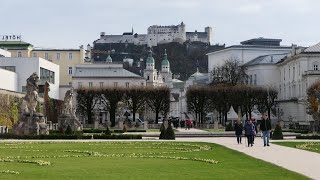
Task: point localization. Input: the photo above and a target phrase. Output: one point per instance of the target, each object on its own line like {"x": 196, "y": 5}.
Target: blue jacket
{"x": 249, "y": 129}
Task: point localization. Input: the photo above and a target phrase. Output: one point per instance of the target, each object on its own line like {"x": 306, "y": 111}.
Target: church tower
{"x": 165, "y": 70}
{"x": 150, "y": 73}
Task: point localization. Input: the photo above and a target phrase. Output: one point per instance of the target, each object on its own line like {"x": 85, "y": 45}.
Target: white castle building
{"x": 159, "y": 35}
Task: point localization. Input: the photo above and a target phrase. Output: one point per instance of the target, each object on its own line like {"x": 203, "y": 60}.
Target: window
{"x": 101, "y": 84}
{"x": 79, "y": 84}
{"x": 127, "y": 85}
{"x": 154, "y": 77}
{"x": 46, "y": 56}
{"x": 293, "y": 72}
{"x": 9, "y": 68}
{"x": 19, "y": 54}
{"x": 315, "y": 67}
{"x": 163, "y": 79}
{"x": 142, "y": 84}
{"x": 70, "y": 71}
{"x": 115, "y": 84}
{"x": 70, "y": 56}
{"x": 90, "y": 84}
{"x": 47, "y": 75}
{"x": 58, "y": 56}
{"x": 148, "y": 78}
{"x": 250, "y": 79}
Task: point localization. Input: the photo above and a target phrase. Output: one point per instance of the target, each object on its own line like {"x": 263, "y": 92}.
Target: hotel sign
{"x": 10, "y": 37}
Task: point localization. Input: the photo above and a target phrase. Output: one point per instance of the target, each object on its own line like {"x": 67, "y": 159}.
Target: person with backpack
{"x": 265, "y": 127}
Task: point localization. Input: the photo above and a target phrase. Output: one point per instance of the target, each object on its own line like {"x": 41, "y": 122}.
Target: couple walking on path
{"x": 251, "y": 130}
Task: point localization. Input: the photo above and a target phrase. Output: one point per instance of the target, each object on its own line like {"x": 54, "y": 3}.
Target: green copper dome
{"x": 150, "y": 58}
{"x": 165, "y": 60}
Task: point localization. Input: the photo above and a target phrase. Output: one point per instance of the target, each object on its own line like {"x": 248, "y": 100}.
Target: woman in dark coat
{"x": 238, "y": 127}
{"x": 249, "y": 130}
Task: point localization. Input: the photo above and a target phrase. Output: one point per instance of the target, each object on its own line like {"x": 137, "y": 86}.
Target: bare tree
{"x": 159, "y": 100}
{"x": 231, "y": 72}
{"x": 198, "y": 101}
{"x": 111, "y": 97}
{"x": 135, "y": 98}
{"x": 87, "y": 99}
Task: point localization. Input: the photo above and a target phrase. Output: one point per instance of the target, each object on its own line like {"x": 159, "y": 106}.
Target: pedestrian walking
{"x": 265, "y": 127}
{"x": 249, "y": 132}
{"x": 255, "y": 129}
{"x": 188, "y": 124}
{"x": 238, "y": 127}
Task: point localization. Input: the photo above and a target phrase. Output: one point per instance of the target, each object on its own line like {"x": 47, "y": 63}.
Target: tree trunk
{"x": 89, "y": 115}
{"x": 113, "y": 116}
{"x": 157, "y": 116}
{"x": 225, "y": 118}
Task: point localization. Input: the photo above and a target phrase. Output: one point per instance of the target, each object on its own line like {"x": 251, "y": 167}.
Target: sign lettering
{"x": 10, "y": 37}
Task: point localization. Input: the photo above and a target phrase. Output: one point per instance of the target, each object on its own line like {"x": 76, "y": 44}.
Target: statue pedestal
{"x": 145, "y": 125}
{"x": 72, "y": 121}
{"x": 31, "y": 125}
{"x": 216, "y": 125}
{"x": 120, "y": 124}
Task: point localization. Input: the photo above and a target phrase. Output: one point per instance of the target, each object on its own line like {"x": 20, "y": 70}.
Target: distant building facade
{"x": 247, "y": 51}
{"x": 15, "y": 71}
{"x": 65, "y": 58}
{"x": 159, "y": 35}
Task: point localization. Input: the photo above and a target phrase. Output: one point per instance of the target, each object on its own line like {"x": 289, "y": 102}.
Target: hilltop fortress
{"x": 159, "y": 35}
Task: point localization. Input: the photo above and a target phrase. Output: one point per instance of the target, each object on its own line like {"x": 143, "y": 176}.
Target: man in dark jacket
{"x": 265, "y": 127}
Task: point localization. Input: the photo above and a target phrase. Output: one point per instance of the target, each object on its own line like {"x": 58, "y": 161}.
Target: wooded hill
{"x": 183, "y": 57}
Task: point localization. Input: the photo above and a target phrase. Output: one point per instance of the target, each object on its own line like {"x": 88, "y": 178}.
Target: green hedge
{"x": 302, "y": 131}
{"x": 308, "y": 137}
{"x": 112, "y": 131}
{"x": 62, "y": 136}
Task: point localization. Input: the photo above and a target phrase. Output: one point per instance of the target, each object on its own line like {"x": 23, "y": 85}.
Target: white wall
{"x": 5, "y": 53}
{"x": 26, "y": 66}
{"x": 9, "y": 80}
{"x": 244, "y": 55}
{"x": 107, "y": 82}
{"x": 266, "y": 75}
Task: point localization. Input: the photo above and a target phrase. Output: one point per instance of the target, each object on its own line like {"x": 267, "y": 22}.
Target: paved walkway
{"x": 300, "y": 161}
{"x": 191, "y": 130}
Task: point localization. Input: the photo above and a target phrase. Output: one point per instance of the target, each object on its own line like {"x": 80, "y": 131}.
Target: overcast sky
{"x": 70, "y": 23}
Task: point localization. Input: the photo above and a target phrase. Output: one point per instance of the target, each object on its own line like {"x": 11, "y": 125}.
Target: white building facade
{"x": 247, "y": 51}
{"x": 23, "y": 68}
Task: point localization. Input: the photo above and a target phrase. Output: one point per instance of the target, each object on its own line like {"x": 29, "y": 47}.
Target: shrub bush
{"x": 302, "y": 131}
{"x": 169, "y": 133}
{"x": 162, "y": 132}
{"x": 308, "y": 137}
{"x": 69, "y": 130}
{"x": 277, "y": 133}
{"x": 61, "y": 136}
{"x": 107, "y": 132}
{"x": 229, "y": 127}
{"x": 93, "y": 131}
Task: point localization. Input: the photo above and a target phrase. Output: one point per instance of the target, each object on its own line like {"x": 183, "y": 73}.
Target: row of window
{"x": 46, "y": 55}
{"x": 101, "y": 84}
{"x": 292, "y": 74}
{"x": 9, "y": 68}
{"x": 47, "y": 75}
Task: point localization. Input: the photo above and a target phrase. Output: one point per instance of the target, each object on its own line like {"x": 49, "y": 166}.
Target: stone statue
{"x": 67, "y": 103}
{"x": 68, "y": 116}
{"x": 31, "y": 98}
{"x": 30, "y": 122}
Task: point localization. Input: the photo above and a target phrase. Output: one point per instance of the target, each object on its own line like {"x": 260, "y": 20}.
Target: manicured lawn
{"x": 132, "y": 160}
{"x": 309, "y": 146}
